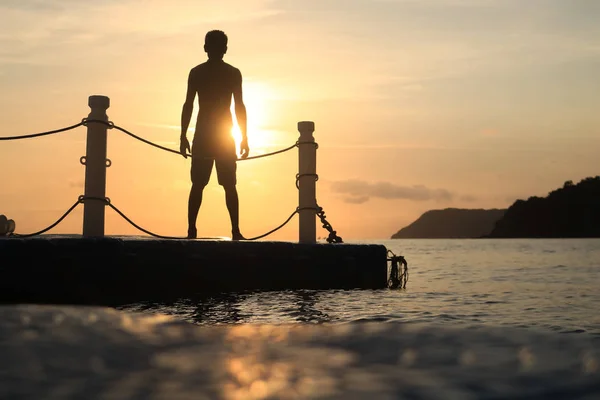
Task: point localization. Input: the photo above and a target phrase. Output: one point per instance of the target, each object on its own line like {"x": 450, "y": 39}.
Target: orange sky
{"x": 417, "y": 104}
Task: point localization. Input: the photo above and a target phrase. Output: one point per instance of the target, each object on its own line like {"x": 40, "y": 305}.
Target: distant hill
{"x": 451, "y": 223}
{"x": 572, "y": 211}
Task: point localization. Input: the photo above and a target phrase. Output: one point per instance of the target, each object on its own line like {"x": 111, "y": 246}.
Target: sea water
{"x": 551, "y": 285}
{"x": 479, "y": 319}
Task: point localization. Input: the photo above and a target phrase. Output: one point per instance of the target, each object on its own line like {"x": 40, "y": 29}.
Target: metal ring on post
{"x": 108, "y": 163}
{"x": 298, "y": 176}
{"x": 83, "y": 198}
{"x": 298, "y": 143}
{"x": 110, "y": 125}
{"x": 83, "y": 160}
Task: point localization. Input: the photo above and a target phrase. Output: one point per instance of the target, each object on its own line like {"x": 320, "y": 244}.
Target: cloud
{"x": 359, "y": 192}
{"x": 76, "y": 183}
{"x": 468, "y": 198}
{"x": 357, "y": 200}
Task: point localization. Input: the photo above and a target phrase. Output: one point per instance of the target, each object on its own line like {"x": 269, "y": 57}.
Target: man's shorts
{"x": 202, "y": 169}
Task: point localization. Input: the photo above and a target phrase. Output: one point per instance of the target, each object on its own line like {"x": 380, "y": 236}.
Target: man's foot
{"x": 192, "y": 233}
{"x": 237, "y": 236}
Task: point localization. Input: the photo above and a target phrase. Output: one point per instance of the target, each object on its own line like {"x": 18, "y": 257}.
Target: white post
{"x": 307, "y": 169}
{"x": 95, "y": 167}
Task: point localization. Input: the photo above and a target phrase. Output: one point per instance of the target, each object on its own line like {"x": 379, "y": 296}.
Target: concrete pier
{"x": 117, "y": 270}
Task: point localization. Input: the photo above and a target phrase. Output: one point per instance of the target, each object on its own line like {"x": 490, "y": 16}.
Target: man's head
{"x": 215, "y": 44}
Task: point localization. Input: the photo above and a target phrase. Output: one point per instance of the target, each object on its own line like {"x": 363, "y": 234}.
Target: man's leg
{"x": 233, "y": 206}
{"x": 226, "y": 174}
{"x": 200, "y": 174}
{"x": 194, "y": 203}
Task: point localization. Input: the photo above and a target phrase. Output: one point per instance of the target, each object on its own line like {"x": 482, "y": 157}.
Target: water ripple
{"x": 490, "y": 282}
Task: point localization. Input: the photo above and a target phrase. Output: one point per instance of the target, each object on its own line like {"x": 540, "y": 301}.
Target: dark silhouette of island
{"x": 572, "y": 211}
{"x": 451, "y": 223}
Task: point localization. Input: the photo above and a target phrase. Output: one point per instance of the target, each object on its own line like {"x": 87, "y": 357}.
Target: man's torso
{"x": 214, "y": 83}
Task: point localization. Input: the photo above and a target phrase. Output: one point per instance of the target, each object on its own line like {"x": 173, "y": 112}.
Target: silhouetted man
{"x": 214, "y": 82}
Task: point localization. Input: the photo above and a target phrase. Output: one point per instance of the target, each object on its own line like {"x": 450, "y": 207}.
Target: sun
{"x": 256, "y": 95}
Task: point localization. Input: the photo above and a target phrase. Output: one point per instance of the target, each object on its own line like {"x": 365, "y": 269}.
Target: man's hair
{"x": 215, "y": 42}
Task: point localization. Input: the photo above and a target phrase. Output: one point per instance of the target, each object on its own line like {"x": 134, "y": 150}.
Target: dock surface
{"x": 117, "y": 270}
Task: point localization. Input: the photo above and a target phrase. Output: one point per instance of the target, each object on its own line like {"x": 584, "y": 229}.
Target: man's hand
{"x": 184, "y": 147}
{"x": 244, "y": 148}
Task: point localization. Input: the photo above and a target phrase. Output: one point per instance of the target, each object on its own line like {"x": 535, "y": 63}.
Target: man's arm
{"x": 240, "y": 114}
{"x": 186, "y": 115}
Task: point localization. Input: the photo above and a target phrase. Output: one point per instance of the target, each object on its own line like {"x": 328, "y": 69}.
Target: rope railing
{"x": 35, "y": 135}
{"x": 58, "y": 221}
{"x": 333, "y": 238}
{"x": 108, "y": 202}
{"x": 111, "y": 125}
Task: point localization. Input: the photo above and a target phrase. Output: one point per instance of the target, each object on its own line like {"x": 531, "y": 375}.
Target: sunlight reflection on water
{"x": 116, "y": 355}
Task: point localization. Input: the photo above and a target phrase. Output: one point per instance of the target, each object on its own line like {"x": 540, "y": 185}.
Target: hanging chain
{"x": 333, "y": 237}
{"x": 397, "y": 279}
